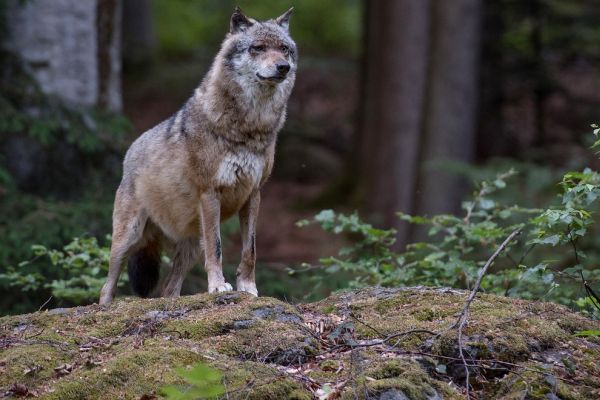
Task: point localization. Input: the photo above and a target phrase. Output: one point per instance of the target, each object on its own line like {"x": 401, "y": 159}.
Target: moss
{"x": 329, "y": 365}
{"x": 30, "y": 364}
{"x": 272, "y": 341}
{"x": 130, "y": 376}
{"x": 328, "y": 309}
{"x": 532, "y": 385}
{"x": 428, "y": 314}
{"x": 390, "y": 369}
{"x": 252, "y": 380}
{"x": 130, "y": 348}
{"x": 196, "y": 329}
{"x": 395, "y": 376}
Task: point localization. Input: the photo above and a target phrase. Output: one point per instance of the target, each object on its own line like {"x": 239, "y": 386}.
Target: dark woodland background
{"x": 399, "y": 105}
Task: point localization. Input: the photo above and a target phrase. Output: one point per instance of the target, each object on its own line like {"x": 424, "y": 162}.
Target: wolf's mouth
{"x": 275, "y": 78}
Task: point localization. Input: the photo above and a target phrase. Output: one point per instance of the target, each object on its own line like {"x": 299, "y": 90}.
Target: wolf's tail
{"x": 143, "y": 268}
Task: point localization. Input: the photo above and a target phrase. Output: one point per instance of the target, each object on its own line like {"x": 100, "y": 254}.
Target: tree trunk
{"x": 139, "y": 35}
{"x": 394, "y": 87}
{"x": 450, "y": 116}
{"x": 71, "y": 48}
{"x": 493, "y": 139}
{"x": 108, "y": 26}
{"x": 420, "y": 94}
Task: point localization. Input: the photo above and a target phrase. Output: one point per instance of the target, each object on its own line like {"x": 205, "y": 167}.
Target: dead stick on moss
{"x": 376, "y": 342}
{"x": 464, "y": 314}
{"x": 45, "y": 303}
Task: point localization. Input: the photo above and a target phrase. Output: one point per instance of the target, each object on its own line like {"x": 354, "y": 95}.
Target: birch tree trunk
{"x": 71, "y": 47}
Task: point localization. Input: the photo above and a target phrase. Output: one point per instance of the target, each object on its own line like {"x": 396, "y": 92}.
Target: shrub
{"x": 547, "y": 263}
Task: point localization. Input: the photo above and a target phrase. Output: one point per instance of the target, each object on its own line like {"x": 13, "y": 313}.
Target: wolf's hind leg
{"x": 187, "y": 253}
{"x": 210, "y": 215}
{"x": 245, "y": 272}
{"x": 129, "y": 220}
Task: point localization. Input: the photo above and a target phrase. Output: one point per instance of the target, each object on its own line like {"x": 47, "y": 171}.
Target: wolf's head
{"x": 260, "y": 52}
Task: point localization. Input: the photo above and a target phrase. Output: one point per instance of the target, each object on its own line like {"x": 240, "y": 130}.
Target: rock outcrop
{"x": 372, "y": 343}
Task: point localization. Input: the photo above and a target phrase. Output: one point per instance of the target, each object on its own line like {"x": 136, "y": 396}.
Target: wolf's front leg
{"x": 210, "y": 214}
{"x": 245, "y": 272}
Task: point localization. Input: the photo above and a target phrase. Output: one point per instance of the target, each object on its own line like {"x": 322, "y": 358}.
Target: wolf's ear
{"x": 239, "y": 22}
{"x": 284, "y": 19}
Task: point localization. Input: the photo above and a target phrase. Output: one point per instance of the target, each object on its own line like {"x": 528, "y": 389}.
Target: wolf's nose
{"x": 283, "y": 67}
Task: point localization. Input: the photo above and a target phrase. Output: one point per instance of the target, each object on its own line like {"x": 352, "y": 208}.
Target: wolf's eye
{"x": 285, "y": 49}
{"x": 257, "y": 48}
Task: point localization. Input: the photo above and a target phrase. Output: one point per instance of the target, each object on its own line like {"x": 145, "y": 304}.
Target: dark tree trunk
{"x": 492, "y": 137}
{"x": 139, "y": 35}
{"x": 540, "y": 80}
{"x": 420, "y": 95}
{"x": 394, "y": 83}
{"x": 108, "y": 25}
{"x": 450, "y": 114}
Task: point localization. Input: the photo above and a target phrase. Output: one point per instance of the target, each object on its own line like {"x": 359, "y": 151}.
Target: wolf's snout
{"x": 283, "y": 67}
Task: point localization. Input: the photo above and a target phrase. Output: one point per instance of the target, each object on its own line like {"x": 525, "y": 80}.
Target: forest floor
{"x": 372, "y": 343}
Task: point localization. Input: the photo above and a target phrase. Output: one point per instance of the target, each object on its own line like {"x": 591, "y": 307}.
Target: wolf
{"x": 204, "y": 164}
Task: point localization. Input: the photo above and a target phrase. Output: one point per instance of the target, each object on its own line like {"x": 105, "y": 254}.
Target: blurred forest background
{"x": 399, "y": 106}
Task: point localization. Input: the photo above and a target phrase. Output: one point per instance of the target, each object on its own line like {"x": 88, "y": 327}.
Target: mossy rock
{"x": 267, "y": 349}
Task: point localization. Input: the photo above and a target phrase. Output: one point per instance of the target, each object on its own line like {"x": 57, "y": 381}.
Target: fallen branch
{"x": 375, "y": 342}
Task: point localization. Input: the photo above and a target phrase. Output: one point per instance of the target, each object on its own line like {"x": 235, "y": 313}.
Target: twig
{"x": 526, "y": 253}
{"x": 35, "y": 334}
{"x": 353, "y": 316}
{"x": 393, "y": 336}
{"x": 588, "y": 289}
{"x": 467, "y": 218}
{"x": 45, "y": 303}
{"x": 377, "y": 342}
{"x": 464, "y": 314}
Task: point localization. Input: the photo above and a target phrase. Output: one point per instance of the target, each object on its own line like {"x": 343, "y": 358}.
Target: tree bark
{"x": 56, "y": 42}
{"x": 450, "y": 116}
{"x": 492, "y": 137}
{"x": 108, "y": 26}
{"x": 139, "y": 34}
{"x": 420, "y": 102}
{"x": 71, "y": 48}
{"x": 394, "y": 88}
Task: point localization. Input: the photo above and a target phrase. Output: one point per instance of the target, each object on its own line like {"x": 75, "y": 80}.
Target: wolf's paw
{"x": 105, "y": 300}
{"x": 106, "y": 296}
{"x": 247, "y": 286}
{"x": 224, "y": 287}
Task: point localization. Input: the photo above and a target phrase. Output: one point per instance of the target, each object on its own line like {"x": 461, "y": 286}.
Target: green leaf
{"x": 588, "y": 333}
{"x": 487, "y": 204}
{"x": 199, "y": 375}
{"x": 172, "y": 392}
{"x": 551, "y": 240}
{"x": 204, "y": 382}
{"x": 325, "y": 215}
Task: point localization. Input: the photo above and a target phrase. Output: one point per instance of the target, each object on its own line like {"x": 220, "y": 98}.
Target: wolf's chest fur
{"x": 240, "y": 168}
{"x": 238, "y": 175}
